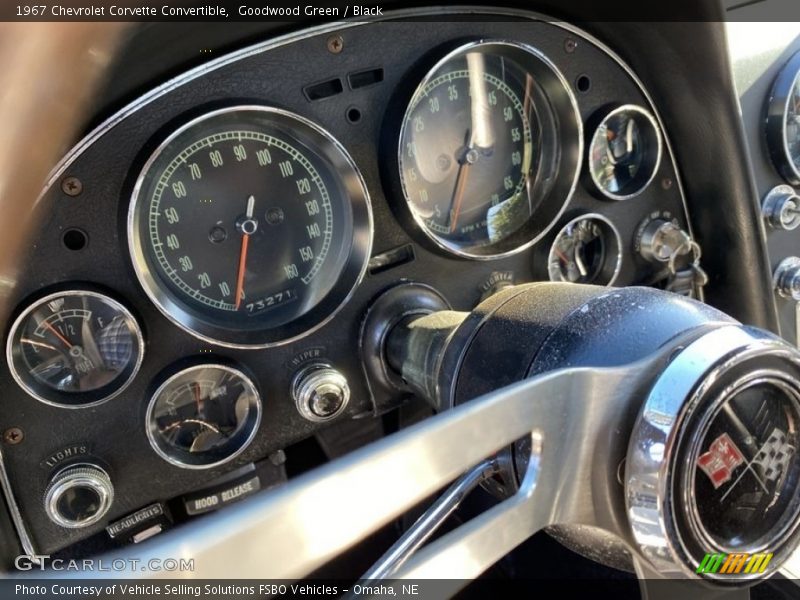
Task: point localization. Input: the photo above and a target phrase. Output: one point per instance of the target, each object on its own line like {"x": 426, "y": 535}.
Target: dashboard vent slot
{"x": 391, "y": 259}
{"x": 324, "y": 89}
{"x": 362, "y": 79}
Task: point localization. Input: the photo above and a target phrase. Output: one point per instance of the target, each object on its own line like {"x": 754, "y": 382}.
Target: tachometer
{"x": 245, "y": 220}
{"x": 489, "y": 149}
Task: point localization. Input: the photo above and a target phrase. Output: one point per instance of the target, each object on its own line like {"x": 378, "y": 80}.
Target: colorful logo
{"x": 734, "y": 564}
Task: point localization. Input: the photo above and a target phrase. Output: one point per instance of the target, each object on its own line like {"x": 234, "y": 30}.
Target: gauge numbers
{"x": 245, "y": 220}
{"x": 75, "y": 348}
{"x": 489, "y": 149}
{"x": 203, "y": 416}
{"x": 297, "y": 207}
{"x": 459, "y": 172}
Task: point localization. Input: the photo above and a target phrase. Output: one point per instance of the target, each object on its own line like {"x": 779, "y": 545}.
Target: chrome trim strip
{"x": 433, "y": 518}
{"x": 16, "y": 515}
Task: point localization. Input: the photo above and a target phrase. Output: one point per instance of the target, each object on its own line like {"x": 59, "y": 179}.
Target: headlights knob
{"x": 78, "y": 496}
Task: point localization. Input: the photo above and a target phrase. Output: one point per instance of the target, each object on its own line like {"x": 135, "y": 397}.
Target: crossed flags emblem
{"x": 723, "y": 457}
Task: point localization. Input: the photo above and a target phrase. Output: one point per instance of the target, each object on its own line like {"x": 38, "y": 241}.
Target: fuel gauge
{"x": 587, "y": 250}
{"x": 203, "y": 416}
{"x": 75, "y": 348}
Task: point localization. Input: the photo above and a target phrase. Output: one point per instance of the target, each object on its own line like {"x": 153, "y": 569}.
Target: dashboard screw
{"x": 277, "y": 458}
{"x": 13, "y": 436}
{"x": 335, "y": 44}
{"x": 71, "y": 186}
{"x": 570, "y": 45}
{"x": 666, "y": 183}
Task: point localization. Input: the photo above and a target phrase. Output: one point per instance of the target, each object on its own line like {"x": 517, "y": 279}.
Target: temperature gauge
{"x": 586, "y": 250}
{"x": 203, "y": 416}
{"x": 75, "y": 348}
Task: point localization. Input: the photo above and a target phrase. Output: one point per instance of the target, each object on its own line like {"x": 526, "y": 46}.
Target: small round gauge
{"x": 783, "y": 121}
{"x": 625, "y": 152}
{"x": 203, "y": 416}
{"x": 75, "y": 348}
{"x": 245, "y": 220}
{"x": 489, "y": 149}
{"x": 587, "y": 250}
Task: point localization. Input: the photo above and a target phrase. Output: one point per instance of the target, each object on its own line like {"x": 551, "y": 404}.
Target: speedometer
{"x": 246, "y": 219}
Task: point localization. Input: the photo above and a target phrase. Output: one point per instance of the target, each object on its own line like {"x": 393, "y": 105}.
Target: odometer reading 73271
{"x": 243, "y": 221}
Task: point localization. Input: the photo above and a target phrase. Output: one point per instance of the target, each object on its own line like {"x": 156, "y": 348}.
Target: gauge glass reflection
{"x": 625, "y": 152}
{"x": 246, "y": 219}
{"x": 203, "y": 416}
{"x": 792, "y": 125}
{"x": 75, "y": 348}
{"x": 481, "y": 148}
{"x": 586, "y": 250}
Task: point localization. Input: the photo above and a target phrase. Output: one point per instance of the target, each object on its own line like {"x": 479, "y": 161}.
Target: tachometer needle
{"x": 458, "y": 194}
{"x": 248, "y": 228}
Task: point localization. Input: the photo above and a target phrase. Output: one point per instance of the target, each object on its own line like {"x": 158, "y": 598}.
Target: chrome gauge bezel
{"x": 569, "y": 151}
{"x": 777, "y": 107}
{"x": 175, "y": 456}
{"x": 612, "y": 270}
{"x": 653, "y": 161}
{"x": 353, "y": 270}
{"x": 12, "y": 354}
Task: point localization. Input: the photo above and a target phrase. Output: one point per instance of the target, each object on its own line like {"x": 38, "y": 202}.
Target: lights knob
{"x": 320, "y": 392}
{"x": 787, "y": 278}
{"x": 781, "y": 208}
{"x": 78, "y": 496}
{"x": 662, "y": 239}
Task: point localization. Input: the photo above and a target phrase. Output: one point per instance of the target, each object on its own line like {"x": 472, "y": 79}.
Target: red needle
{"x": 58, "y": 335}
{"x": 240, "y": 278}
{"x": 248, "y": 228}
{"x": 458, "y": 194}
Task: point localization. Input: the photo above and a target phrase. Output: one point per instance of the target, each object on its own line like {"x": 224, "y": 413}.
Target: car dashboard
{"x": 195, "y": 320}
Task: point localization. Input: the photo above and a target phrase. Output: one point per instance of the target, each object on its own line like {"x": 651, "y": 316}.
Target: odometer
{"x": 245, "y": 220}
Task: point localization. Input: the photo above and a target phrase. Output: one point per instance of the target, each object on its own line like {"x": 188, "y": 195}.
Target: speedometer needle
{"x": 248, "y": 227}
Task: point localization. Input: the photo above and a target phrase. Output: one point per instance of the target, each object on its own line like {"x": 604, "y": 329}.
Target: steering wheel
{"x": 631, "y": 451}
